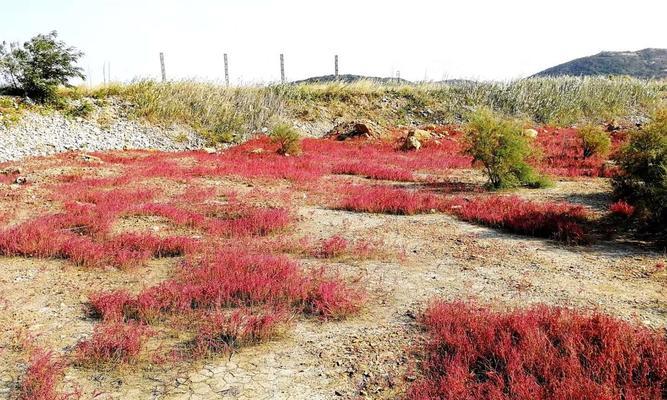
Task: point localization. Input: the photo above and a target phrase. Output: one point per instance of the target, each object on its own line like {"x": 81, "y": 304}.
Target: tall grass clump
{"x": 287, "y": 139}
{"x": 501, "y": 147}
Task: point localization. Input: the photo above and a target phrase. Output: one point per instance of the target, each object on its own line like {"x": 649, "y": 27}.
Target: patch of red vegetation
{"x": 331, "y": 247}
{"x": 338, "y": 246}
{"x": 233, "y": 280}
{"x": 41, "y": 378}
{"x": 50, "y": 237}
{"x": 560, "y": 221}
{"x": 220, "y": 332}
{"x": 228, "y": 279}
{"x": 622, "y": 209}
{"x": 542, "y": 353}
{"x": 563, "y": 154}
{"x": 332, "y": 299}
{"x": 372, "y": 171}
{"x": 112, "y": 343}
{"x": 384, "y": 199}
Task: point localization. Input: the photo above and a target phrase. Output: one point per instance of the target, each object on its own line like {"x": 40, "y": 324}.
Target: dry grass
{"x": 225, "y": 114}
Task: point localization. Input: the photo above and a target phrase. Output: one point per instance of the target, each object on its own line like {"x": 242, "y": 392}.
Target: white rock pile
{"x": 39, "y": 135}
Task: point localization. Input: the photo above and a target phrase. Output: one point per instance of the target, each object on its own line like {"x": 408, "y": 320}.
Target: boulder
{"x": 412, "y": 143}
{"x": 415, "y": 137}
{"x": 349, "y": 130}
{"x": 420, "y": 134}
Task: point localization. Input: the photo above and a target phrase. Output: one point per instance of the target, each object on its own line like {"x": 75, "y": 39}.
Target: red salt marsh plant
{"x": 233, "y": 283}
{"x": 223, "y": 333}
{"x": 384, "y": 199}
{"x": 560, "y": 221}
{"x": 331, "y": 247}
{"x": 234, "y": 221}
{"x": 42, "y": 377}
{"x": 332, "y": 299}
{"x": 622, "y": 209}
{"x": 337, "y": 246}
{"x": 372, "y": 171}
{"x": 112, "y": 343}
{"x": 45, "y": 237}
{"x": 563, "y": 153}
{"x": 541, "y": 353}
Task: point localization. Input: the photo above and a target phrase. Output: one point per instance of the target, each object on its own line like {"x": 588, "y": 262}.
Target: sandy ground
{"x": 372, "y": 355}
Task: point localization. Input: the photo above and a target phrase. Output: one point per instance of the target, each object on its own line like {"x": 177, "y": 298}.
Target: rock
{"x": 415, "y": 138}
{"x": 613, "y": 126}
{"x": 40, "y": 135}
{"x": 411, "y": 143}
{"x": 21, "y": 180}
{"x": 350, "y": 130}
{"x": 210, "y": 150}
{"x": 420, "y": 134}
{"x": 530, "y": 132}
{"x": 258, "y": 150}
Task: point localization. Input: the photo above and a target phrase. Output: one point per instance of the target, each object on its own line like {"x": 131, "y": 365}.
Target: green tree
{"x": 501, "y": 146}
{"x": 40, "y": 65}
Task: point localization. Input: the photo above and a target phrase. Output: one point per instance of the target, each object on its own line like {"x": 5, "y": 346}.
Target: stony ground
{"x": 372, "y": 355}
{"x": 40, "y": 134}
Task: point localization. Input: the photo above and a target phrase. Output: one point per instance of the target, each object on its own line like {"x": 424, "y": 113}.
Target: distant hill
{"x": 647, "y": 64}
{"x": 348, "y": 78}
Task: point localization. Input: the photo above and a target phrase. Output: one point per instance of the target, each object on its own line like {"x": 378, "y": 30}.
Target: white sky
{"x": 481, "y": 39}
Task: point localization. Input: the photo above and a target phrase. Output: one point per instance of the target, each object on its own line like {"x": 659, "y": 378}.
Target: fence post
{"x": 226, "y": 70}
{"x": 164, "y": 73}
{"x": 336, "y": 65}
{"x": 282, "y": 68}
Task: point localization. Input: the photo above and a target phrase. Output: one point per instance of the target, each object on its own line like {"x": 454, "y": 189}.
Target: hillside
{"x": 646, "y": 64}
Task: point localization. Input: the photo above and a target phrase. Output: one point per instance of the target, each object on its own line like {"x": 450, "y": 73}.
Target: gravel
{"x": 39, "y": 135}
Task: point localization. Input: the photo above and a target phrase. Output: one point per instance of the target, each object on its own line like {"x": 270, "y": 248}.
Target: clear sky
{"x": 481, "y": 39}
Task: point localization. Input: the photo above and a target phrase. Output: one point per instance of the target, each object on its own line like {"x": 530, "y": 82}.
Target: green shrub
{"x": 644, "y": 164}
{"x": 40, "y": 66}
{"x": 287, "y": 138}
{"x": 595, "y": 140}
{"x": 500, "y": 145}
